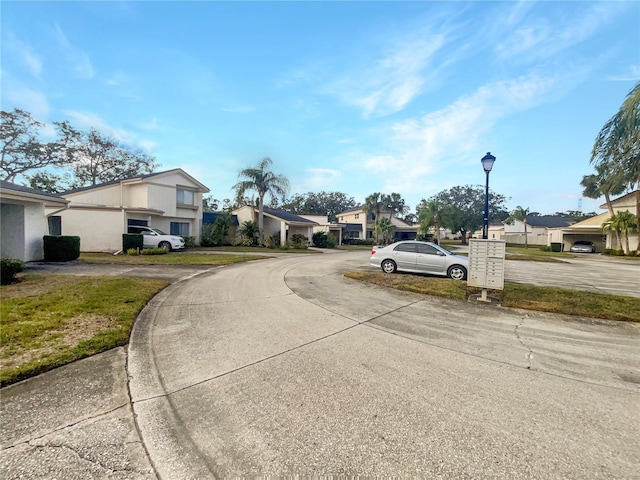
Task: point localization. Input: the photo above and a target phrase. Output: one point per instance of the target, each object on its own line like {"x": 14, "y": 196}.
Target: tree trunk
{"x": 526, "y": 244}
{"x": 261, "y": 219}
{"x": 611, "y": 213}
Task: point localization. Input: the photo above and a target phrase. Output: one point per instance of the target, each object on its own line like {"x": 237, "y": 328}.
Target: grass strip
{"x": 168, "y": 259}
{"x": 515, "y": 295}
{"x": 52, "y": 320}
{"x": 240, "y": 248}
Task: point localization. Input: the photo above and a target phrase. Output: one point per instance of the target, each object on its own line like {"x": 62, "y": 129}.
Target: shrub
{"x": 613, "y": 251}
{"x": 249, "y": 233}
{"x": 61, "y": 248}
{"x": 545, "y": 248}
{"x": 133, "y": 251}
{"x": 272, "y": 241}
{"x": 189, "y": 242}
{"x": 131, "y": 240}
{"x": 9, "y": 268}
{"x": 154, "y": 251}
{"x": 299, "y": 241}
{"x": 322, "y": 240}
{"x": 214, "y": 234}
{"x": 358, "y": 241}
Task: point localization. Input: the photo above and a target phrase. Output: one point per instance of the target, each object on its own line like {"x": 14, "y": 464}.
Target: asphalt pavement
{"x": 286, "y": 368}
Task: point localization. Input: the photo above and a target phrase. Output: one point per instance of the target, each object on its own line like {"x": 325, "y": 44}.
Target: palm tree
{"x": 604, "y": 183}
{"x": 387, "y": 228}
{"x": 520, "y": 214}
{"x": 395, "y": 203}
{"x": 432, "y": 215}
{"x": 373, "y": 204}
{"x": 617, "y": 146}
{"x": 624, "y": 223}
{"x": 264, "y": 182}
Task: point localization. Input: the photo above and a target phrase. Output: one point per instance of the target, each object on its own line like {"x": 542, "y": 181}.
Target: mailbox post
{"x": 486, "y": 265}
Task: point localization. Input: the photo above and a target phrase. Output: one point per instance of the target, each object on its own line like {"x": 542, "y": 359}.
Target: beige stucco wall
{"x": 23, "y": 226}
{"x": 100, "y": 230}
{"x": 108, "y": 196}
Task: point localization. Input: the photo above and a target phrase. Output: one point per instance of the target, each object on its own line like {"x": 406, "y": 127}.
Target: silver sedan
{"x": 419, "y": 257}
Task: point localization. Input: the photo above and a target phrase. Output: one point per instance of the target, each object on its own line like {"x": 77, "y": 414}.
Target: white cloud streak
{"x": 78, "y": 60}
{"x": 90, "y": 120}
{"x": 440, "y": 139}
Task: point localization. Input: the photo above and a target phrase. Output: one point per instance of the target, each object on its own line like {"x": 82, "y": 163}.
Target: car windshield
{"x": 582, "y": 242}
{"x": 158, "y": 231}
{"x": 445, "y": 250}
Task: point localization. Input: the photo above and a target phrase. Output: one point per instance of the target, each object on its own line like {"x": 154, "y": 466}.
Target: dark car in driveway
{"x": 582, "y": 246}
{"x": 419, "y": 257}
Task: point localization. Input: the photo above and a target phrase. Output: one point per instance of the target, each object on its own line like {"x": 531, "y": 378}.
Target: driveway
{"x": 596, "y": 273}
{"x": 287, "y": 368}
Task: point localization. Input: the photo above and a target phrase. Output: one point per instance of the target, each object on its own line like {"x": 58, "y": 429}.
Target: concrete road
{"x": 286, "y": 367}
{"x": 596, "y": 273}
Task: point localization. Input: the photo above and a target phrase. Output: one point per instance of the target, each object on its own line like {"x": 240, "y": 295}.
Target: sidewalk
{"x": 74, "y": 422}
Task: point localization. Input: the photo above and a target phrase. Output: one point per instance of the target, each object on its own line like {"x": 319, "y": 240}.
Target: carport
{"x": 589, "y": 230}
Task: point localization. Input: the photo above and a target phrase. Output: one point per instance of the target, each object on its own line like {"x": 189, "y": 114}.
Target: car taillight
{"x": 373, "y": 252}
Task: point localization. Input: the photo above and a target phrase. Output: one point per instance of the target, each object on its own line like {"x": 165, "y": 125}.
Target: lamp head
{"x": 487, "y": 162}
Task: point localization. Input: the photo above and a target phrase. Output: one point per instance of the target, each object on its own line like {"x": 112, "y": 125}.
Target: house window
{"x": 353, "y": 234}
{"x": 179, "y": 228}
{"x": 357, "y": 216}
{"x": 55, "y": 225}
{"x": 185, "y": 197}
{"x": 371, "y": 216}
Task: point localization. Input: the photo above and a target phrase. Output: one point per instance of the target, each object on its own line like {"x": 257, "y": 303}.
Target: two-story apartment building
{"x": 356, "y": 223}
{"x": 100, "y": 214}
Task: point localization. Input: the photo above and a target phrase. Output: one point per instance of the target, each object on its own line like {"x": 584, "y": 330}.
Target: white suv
{"x": 155, "y": 238}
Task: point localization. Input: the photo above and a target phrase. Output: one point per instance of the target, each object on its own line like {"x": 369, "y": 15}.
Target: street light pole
{"x": 487, "y": 165}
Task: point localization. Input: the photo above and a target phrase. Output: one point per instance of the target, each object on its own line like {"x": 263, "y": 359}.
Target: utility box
{"x": 486, "y": 263}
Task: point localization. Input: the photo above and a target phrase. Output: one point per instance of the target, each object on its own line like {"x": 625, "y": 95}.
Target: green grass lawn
{"x": 173, "y": 258}
{"x": 240, "y": 248}
{"x": 52, "y": 320}
{"x": 529, "y": 297}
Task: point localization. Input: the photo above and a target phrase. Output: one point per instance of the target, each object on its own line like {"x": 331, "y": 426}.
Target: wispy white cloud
{"x": 24, "y": 52}
{"x": 33, "y": 101}
{"x": 443, "y": 138}
{"x": 632, "y": 73}
{"x": 321, "y": 178}
{"x": 543, "y": 36}
{"x": 393, "y": 80}
{"x": 84, "y": 120}
{"x": 78, "y": 60}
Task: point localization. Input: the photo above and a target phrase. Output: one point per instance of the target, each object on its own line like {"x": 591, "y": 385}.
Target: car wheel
{"x": 388, "y": 266}
{"x": 457, "y": 272}
{"x": 165, "y": 245}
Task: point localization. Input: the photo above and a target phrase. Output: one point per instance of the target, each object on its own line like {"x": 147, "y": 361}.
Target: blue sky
{"x": 356, "y": 97}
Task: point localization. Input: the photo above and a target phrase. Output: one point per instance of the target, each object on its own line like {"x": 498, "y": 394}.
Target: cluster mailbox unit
{"x": 486, "y": 265}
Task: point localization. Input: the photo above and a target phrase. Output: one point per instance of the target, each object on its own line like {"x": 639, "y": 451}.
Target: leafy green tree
{"x": 465, "y": 206}
{"x": 96, "y": 158}
{"x": 616, "y": 151}
{"x": 624, "y": 223}
{"x": 520, "y": 214}
{"x": 322, "y": 203}
{"x": 432, "y": 214}
{"x": 21, "y": 150}
{"x": 264, "y": 182}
